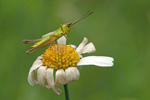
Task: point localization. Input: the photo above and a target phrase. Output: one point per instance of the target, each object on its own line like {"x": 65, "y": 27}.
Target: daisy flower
{"x": 61, "y": 63}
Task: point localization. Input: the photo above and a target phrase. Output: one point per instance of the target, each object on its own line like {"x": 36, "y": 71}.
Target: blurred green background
{"x": 118, "y": 28}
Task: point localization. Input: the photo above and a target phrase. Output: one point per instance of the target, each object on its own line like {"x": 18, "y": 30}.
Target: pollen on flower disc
{"x": 60, "y": 56}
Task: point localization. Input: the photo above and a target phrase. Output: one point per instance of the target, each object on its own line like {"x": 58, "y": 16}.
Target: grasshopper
{"x": 51, "y": 37}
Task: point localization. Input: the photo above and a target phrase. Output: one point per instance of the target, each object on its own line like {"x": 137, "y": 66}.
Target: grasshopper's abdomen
{"x": 50, "y": 38}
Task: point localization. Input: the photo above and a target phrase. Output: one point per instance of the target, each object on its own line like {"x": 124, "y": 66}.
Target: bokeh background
{"x": 118, "y": 28}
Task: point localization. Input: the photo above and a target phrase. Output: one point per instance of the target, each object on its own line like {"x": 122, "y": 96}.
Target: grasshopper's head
{"x": 67, "y": 27}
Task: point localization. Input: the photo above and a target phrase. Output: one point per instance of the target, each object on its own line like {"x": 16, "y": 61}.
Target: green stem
{"x": 66, "y": 92}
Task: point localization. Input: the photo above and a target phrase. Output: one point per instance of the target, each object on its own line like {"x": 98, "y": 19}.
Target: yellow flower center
{"x": 60, "y": 56}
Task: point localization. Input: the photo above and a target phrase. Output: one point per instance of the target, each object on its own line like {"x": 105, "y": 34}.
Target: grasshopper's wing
{"x": 40, "y": 45}
{"x": 46, "y": 40}
{"x": 50, "y": 33}
{"x": 37, "y": 40}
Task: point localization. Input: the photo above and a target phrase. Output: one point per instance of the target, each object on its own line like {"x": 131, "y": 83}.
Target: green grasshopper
{"x": 51, "y": 37}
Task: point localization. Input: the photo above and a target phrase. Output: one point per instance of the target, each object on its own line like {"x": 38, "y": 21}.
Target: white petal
{"x": 62, "y": 40}
{"x": 80, "y": 47}
{"x": 49, "y": 77}
{"x": 41, "y": 75}
{"x": 60, "y": 77}
{"x": 89, "y": 48}
{"x": 96, "y": 60}
{"x": 38, "y": 61}
{"x": 35, "y": 65}
{"x": 71, "y": 75}
{"x": 76, "y": 71}
{"x": 50, "y": 81}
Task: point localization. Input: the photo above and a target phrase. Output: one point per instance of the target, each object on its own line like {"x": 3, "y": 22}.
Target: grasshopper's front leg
{"x": 65, "y": 35}
{"x": 67, "y": 39}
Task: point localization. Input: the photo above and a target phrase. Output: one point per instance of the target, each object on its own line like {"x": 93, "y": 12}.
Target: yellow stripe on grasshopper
{"x": 40, "y": 42}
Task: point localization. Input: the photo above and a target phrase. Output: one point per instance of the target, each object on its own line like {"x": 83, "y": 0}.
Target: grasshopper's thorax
{"x": 66, "y": 28}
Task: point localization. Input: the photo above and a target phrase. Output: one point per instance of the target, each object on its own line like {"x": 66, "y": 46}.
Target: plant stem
{"x": 66, "y": 92}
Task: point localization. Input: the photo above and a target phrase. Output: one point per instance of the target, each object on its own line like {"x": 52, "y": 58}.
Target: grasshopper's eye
{"x": 68, "y": 25}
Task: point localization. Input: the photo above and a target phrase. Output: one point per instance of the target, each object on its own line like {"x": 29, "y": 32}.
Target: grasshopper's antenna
{"x": 83, "y": 16}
